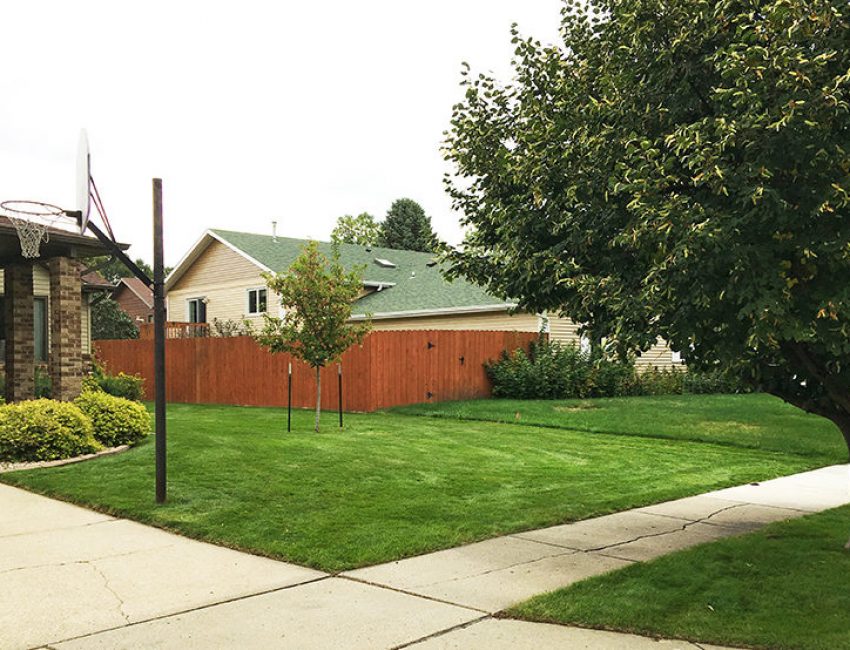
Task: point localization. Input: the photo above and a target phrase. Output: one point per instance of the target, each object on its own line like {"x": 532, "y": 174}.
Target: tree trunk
{"x": 318, "y": 395}
{"x": 844, "y": 425}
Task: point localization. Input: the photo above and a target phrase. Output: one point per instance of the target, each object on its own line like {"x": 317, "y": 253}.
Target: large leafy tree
{"x": 407, "y": 227}
{"x": 317, "y": 296}
{"x": 362, "y": 230}
{"x": 678, "y": 168}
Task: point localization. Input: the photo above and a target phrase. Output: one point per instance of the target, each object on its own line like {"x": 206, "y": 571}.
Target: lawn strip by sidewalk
{"x": 782, "y": 587}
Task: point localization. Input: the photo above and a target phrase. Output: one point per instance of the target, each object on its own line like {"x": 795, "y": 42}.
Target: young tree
{"x": 362, "y": 230}
{"x": 316, "y": 294}
{"x": 109, "y": 321}
{"x": 407, "y": 227}
{"x": 680, "y": 168}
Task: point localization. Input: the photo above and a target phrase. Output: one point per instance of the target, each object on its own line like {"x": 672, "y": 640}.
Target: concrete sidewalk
{"x": 72, "y": 578}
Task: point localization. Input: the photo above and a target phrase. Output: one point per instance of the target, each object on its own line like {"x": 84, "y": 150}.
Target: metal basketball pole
{"x": 159, "y": 341}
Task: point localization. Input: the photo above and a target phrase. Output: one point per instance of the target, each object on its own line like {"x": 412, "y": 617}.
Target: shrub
{"x": 44, "y": 429}
{"x": 653, "y": 381}
{"x": 551, "y": 370}
{"x": 226, "y": 327}
{"x": 43, "y": 384}
{"x": 120, "y": 385}
{"x": 611, "y": 377}
{"x": 116, "y": 421}
{"x": 548, "y": 371}
{"x": 713, "y": 381}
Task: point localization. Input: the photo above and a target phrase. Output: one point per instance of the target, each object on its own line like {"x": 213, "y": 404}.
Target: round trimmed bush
{"x": 44, "y": 429}
{"x": 116, "y": 421}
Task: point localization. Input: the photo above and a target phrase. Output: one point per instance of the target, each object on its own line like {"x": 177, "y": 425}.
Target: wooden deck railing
{"x": 176, "y": 330}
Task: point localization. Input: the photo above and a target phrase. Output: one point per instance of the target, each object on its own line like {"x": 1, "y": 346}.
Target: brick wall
{"x": 66, "y": 364}
{"x": 20, "y": 346}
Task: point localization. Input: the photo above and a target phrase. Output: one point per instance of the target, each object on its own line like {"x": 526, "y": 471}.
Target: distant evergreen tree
{"x": 407, "y": 227}
{"x": 109, "y": 321}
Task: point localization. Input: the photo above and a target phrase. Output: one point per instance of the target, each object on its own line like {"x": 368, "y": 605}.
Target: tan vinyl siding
{"x": 223, "y": 277}
{"x": 40, "y": 281}
{"x": 564, "y": 330}
{"x": 493, "y": 321}
{"x": 85, "y": 323}
{"x": 659, "y": 356}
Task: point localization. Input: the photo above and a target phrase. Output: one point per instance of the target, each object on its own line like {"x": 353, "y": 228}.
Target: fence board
{"x": 391, "y": 368}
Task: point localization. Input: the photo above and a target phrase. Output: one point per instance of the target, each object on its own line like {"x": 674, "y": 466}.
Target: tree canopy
{"x": 317, "y": 295}
{"x": 362, "y": 230}
{"x": 109, "y": 321}
{"x": 677, "y": 168}
{"x": 407, "y": 227}
{"x": 113, "y": 269}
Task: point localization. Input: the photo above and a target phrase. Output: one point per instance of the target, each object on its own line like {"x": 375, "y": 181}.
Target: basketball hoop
{"x": 32, "y": 221}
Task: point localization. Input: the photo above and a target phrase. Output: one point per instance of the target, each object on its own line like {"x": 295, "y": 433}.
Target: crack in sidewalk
{"x": 568, "y": 551}
{"x": 51, "y": 565}
{"x": 61, "y": 528}
{"x": 685, "y": 526}
{"x": 574, "y": 551}
{"x": 109, "y": 588}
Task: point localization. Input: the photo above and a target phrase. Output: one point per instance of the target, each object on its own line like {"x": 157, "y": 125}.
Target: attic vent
{"x": 380, "y": 261}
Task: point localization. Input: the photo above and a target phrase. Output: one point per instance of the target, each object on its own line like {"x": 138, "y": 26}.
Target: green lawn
{"x": 751, "y": 421}
{"x": 785, "y": 586}
{"x": 392, "y": 485}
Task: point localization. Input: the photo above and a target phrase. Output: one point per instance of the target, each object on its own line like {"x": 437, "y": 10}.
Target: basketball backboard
{"x": 83, "y": 180}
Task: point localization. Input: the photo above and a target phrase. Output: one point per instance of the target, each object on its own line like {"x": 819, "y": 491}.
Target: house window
{"x": 257, "y": 303}
{"x": 197, "y": 310}
{"x": 40, "y": 328}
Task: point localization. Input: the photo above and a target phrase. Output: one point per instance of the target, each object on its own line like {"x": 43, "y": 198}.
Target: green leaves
{"x": 655, "y": 176}
{"x": 362, "y": 230}
{"x": 316, "y": 295}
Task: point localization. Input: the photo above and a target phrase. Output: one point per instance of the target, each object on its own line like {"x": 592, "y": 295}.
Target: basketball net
{"x": 30, "y": 233}
{"x": 32, "y": 221}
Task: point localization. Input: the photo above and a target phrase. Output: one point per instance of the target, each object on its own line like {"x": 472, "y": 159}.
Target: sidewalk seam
{"x": 51, "y": 644}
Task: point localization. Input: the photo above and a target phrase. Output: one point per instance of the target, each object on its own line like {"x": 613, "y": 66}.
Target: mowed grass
{"x": 755, "y": 421}
{"x": 390, "y": 485}
{"x": 785, "y": 586}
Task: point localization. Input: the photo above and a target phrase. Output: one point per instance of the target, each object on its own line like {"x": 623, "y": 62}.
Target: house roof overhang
{"x": 445, "y": 311}
{"x": 60, "y": 243}
{"x": 195, "y": 252}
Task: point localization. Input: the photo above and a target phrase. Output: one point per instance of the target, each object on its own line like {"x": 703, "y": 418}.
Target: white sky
{"x": 250, "y": 112}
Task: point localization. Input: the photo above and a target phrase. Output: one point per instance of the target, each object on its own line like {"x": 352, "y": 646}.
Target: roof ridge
{"x": 368, "y": 248}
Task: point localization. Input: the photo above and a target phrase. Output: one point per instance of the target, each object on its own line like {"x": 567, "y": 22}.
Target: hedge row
{"x": 554, "y": 371}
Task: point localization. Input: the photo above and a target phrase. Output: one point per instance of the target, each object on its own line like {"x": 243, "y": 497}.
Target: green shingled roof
{"x": 416, "y": 285}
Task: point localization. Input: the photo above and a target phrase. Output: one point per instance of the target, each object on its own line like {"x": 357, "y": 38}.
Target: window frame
{"x": 45, "y": 335}
{"x": 198, "y": 300}
{"x": 257, "y": 290}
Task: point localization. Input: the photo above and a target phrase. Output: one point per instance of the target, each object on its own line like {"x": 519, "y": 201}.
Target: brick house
{"x": 45, "y": 308}
{"x": 135, "y": 299}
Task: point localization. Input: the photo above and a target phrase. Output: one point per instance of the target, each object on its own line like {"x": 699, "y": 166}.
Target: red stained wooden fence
{"x": 390, "y": 369}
